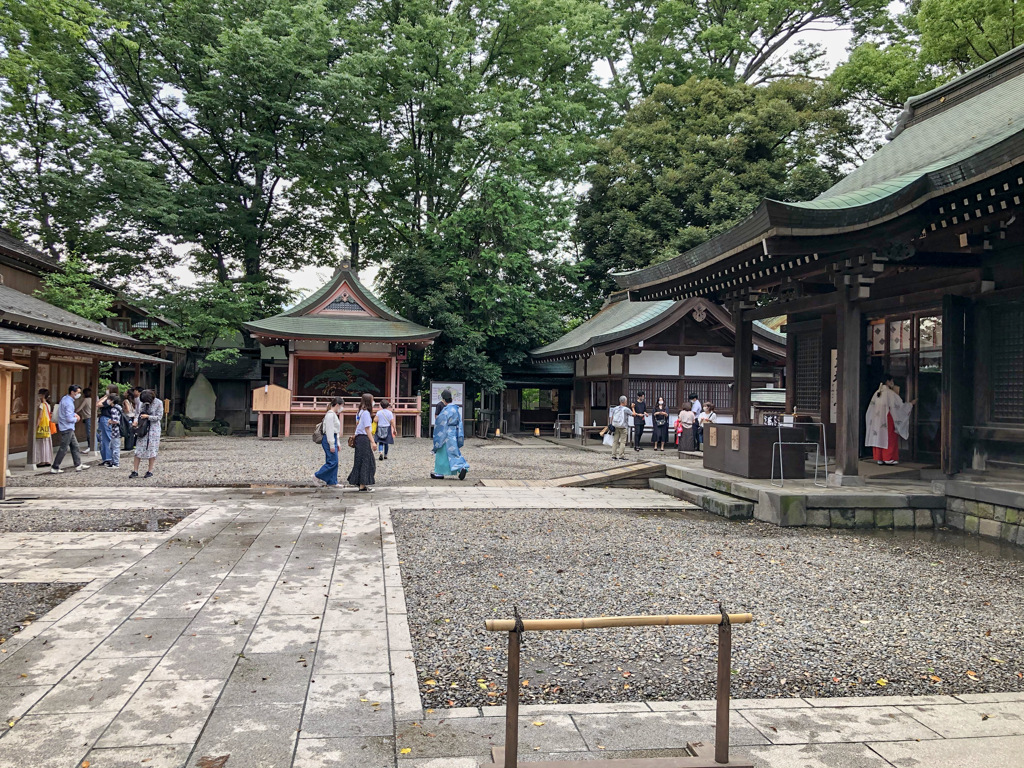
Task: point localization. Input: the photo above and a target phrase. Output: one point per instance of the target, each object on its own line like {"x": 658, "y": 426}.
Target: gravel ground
{"x": 14, "y": 520}
{"x": 23, "y": 603}
{"x": 836, "y": 613}
{"x": 233, "y": 461}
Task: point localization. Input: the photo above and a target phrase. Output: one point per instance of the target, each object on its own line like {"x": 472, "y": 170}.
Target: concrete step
{"x": 714, "y": 481}
{"x": 710, "y": 501}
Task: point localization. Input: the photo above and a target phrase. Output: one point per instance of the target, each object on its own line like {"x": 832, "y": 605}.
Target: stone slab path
{"x": 270, "y": 626}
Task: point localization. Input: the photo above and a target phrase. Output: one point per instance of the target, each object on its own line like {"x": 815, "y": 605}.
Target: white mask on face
{"x": 77, "y": 395}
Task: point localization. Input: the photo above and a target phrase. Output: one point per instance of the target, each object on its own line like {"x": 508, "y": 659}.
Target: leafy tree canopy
{"x": 74, "y": 289}
{"x": 198, "y": 317}
{"x": 696, "y": 158}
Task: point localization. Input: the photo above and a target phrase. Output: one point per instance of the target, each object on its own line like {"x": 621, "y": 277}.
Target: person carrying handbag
{"x": 331, "y": 428}
{"x": 364, "y": 466}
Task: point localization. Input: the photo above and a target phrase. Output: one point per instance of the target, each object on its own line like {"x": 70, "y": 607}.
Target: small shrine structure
{"x": 343, "y": 341}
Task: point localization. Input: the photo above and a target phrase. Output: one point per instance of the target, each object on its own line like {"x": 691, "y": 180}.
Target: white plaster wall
{"x": 708, "y": 364}
{"x": 653, "y": 363}
{"x": 617, "y": 365}
{"x": 579, "y": 366}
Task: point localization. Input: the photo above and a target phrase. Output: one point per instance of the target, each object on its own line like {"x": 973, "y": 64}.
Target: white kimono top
{"x": 884, "y": 402}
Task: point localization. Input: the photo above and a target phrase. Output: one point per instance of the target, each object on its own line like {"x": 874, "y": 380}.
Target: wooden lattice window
{"x": 808, "y": 372}
{"x": 716, "y": 392}
{"x": 1007, "y": 356}
{"x": 653, "y": 389}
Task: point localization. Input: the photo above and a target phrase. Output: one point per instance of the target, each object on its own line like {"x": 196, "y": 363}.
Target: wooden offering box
{"x": 745, "y": 450}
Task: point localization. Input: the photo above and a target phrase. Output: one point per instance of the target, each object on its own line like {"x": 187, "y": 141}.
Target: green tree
{"x": 475, "y": 122}
{"x": 74, "y": 288}
{"x": 962, "y": 34}
{"x": 668, "y": 41}
{"x": 198, "y": 317}
{"x": 695, "y": 159}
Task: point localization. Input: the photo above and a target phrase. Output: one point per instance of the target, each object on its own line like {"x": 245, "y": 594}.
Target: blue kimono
{"x": 448, "y": 438}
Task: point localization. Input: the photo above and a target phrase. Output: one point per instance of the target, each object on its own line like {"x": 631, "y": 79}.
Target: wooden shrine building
{"x": 912, "y": 264}
{"x": 57, "y": 348}
{"x": 343, "y": 341}
{"x": 664, "y": 348}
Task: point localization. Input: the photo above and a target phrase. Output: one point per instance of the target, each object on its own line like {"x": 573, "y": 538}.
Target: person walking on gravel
{"x": 66, "y": 420}
{"x": 328, "y": 473}
{"x": 620, "y": 421}
{"x": 385, "y": 420}
{"x": 448, "y": 440}
{"x": 364, "y": 466}
{"x": 147, "y": 432}
{"x": 639, "y": 420}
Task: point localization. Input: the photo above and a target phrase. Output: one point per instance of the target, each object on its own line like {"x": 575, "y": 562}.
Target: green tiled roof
{"x": 387, "y": 326}
{"x": 341, "y": 328}
{"x": 946, "y": 137}
{"x": 617, "y": 319}
{"x": 344, "y": 275}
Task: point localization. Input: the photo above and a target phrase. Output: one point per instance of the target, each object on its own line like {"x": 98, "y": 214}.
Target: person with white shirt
{"x": 698, "y": 429}
{"x": 328, "y": 473}
{"x": 707, "y": 416}
{"x": 385, "y": 420}
{"x": 364, "y": 467}
{"x": 620, "y": 416}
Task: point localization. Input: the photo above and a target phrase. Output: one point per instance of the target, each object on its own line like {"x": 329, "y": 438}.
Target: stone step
{"x": 717, "y": 481}
{"x": 710, "y": 501}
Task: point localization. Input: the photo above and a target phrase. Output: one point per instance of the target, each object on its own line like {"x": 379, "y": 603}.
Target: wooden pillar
{"x": 849, "y": 344}
{"x": 137, "y": 381}
{"x": 94, "y": 419}
{"x": 7, "y": 370}
{"x": 790, "y": 371}
{"x": 291, "y": 388}
{"x": 957, "y": 392}
{"x": 33, "y": 411}
{"x": 742, "y": 359}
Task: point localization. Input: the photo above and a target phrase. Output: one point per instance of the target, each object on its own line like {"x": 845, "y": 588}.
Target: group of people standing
{"x": 375, "y": 433}
{"x": 134, "y": 417}
{"x": 689, "y": 424}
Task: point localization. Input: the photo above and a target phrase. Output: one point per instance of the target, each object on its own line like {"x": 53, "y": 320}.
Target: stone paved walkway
{"x": 270, "y": 626}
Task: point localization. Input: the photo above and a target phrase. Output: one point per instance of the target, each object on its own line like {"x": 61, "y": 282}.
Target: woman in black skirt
{"x": 365, "y": 467}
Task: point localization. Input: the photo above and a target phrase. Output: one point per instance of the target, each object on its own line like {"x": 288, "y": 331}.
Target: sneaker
{"x": 81, "y": 468}
{"x": 462, "y": 474}
{"x": 879, "y": 463}
{"x": 147, "y": 476}
{"x": 380, "y": 457}
{"x": 366, "y": 490}
{"x": 55, "y": 471}
{"x": 133, "y": 475}
{"x": 115, "y": 466}
{"x": 890, "y": 463}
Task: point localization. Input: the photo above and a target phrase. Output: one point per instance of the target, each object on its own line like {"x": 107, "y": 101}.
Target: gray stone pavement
{"x": 270, "y": 626}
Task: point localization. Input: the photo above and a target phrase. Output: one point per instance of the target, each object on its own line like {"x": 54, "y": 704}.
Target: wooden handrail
{"x": 596, "y": 622}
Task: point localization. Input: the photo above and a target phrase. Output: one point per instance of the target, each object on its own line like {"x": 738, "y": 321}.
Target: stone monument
{"x": 201, "y": 403}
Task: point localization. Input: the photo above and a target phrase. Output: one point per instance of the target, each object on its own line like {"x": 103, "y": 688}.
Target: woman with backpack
{"x": 147, "y": 432}
{"x": 364, "y": 466}
{"x": 330, "y": 429}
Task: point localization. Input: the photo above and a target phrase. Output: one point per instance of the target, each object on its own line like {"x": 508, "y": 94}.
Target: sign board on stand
{"x": 458, "y": 390}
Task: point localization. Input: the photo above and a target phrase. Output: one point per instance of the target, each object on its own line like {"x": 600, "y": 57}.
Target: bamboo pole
{"x": 597, "y": 622}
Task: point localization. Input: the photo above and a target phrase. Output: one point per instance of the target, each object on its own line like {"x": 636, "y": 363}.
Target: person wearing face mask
{"x": 66, "y": 420}
{"x": 660, "y": 432}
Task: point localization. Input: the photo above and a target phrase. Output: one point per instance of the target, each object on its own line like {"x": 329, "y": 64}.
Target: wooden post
{"x": 94, "y": 419}
{"x": 7, "y": 370}
{"x": 33, "y": 411}
{"x": 790, "y": 371}
{"x": 512, "y": 703}
{"x": 742, "y": 360}
{"x": 849, "y": 343}
{"x": 291, "y": 388}
{"x": 722, "y": 693}
{"x": 957, "y": 394}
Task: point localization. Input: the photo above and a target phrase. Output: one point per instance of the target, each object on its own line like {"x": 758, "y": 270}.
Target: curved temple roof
{"x": 342, "y": 310}
{"x": 946, "y": 137}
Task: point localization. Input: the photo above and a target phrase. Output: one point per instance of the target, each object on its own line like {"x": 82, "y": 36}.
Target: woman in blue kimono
{"x": 448, "y": 439}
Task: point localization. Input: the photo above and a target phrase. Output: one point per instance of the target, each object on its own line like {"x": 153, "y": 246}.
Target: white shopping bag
{"x": 608, "y": 440}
